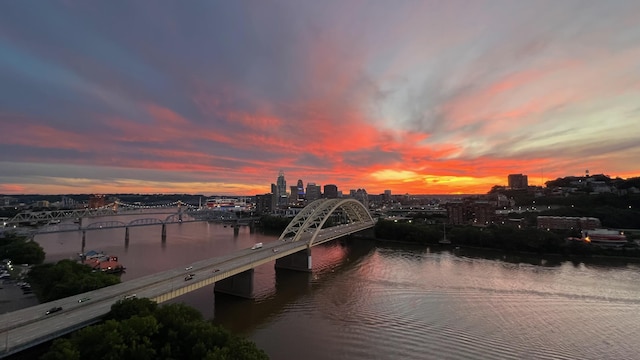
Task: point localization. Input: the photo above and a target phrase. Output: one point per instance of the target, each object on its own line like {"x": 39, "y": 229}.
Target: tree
{"x": 173, "y": 331}
{"x": 19, "y": 250}
{"x": 66, "y": 278}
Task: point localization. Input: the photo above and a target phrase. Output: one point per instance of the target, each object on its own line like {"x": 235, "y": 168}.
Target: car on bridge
{"x": 189, "y": 277}
{"x": 84, "y": 299}
{"x": 53, "y": 310}
{"x": 189, "y": 268}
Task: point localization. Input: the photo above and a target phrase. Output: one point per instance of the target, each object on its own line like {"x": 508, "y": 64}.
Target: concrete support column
{"x": 84, "y": 240}
{"x": 126, "y": 236}
{"x": 164, "y": 232}
{"x": 300, "y": 261}
{"x": 236, "y": 230}
{"x": 238, "y": 285}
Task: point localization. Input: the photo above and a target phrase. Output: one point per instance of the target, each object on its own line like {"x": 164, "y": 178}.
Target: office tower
{"x": 313, "y": 192}
{"x": 518, "y": 181}
{"x": 281, "y": 184}
{"x": 330, "y": 191}
{"x": 300, "y": 190}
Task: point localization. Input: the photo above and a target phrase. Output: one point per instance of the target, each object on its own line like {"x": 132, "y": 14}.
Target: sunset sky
{"x": 216, "y": 97}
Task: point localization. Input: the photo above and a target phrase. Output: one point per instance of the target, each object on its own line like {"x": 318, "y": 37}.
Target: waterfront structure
{"x": 605, "y": 237}
{"x": 567, "y": 222}
{"x": 518, "y": 181}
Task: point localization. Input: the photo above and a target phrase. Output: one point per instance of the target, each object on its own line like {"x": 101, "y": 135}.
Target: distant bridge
{"x": 113, "y": 209}
{"x": 231, "y": 274}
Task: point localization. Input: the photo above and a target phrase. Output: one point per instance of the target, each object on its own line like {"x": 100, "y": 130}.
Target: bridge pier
{"x": 238, "y": 285}
{"x": 300, "y": 261}
{"x": 84, "y": 240}
{"x": 164, "y": 232}
{"x": 126, "y": 236}
{"x": 236, "y": 229}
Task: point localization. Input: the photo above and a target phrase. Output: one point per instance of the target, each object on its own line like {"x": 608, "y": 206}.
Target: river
{"x": 375, "y": 300}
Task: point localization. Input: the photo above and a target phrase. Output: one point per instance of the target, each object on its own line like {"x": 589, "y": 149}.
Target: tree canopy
{"x": 19, "y": 250}
{"x": 66, "y": 278}
{"x": 139, "y": 329}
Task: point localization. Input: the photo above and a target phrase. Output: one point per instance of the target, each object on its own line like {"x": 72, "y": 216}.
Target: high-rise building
{"x": 265, "y": 204}
{"x": 313, "y": 192}
{"x": 300, "y": 189}
{"x": 293, "y": 195}
{"x": 281, "y": 185}
{"x": 330, "y": 191}
{"x": 518, "y": 181}
{"x": 360, "y": 195}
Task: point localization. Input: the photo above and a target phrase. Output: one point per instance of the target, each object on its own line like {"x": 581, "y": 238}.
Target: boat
{"x": 604, "y": 237}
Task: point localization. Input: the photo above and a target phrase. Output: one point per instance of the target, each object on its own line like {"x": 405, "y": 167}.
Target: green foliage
{"x": 62, "y": 349}
{"x": 19, "y": 250}
{"x": 173, "y": 331}
{"x": 124, "y": 309}
{"x": 498, "y": 237}
{"x": 416, "y": 233}
{"x": 274, "y": 223}
{"x": 66, "y": 278}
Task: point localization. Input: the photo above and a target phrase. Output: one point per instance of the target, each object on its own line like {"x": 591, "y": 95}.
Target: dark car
{"x": 54, "y": 310}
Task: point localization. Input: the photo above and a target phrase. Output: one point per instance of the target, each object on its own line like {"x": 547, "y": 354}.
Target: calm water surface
{"x": 367, "y": 300}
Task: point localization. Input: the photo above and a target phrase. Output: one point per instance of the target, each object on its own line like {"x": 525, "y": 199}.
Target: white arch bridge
{"x": 319, "y": 222}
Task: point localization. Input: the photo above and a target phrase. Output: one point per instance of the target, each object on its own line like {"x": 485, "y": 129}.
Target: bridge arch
{"x": 315, "y": 215}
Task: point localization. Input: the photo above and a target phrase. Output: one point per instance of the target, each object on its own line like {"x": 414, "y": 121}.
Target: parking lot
{"x": 12, "y": 298}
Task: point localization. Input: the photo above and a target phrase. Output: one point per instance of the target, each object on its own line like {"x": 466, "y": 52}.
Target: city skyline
{"x": 413, "y": 97}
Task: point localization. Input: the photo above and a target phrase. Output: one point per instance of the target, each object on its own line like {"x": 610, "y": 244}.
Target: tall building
{"x": 313, "y": 192}
{"x": 293, "y": 195}
{"x": 330, "y": 191}
{"x": 300, "y": 189}
{"x": 265, "y": 204}
{"x": 518, "y": 181}
{"x": 360, "y": 195}
{"x": 281, "y": 185}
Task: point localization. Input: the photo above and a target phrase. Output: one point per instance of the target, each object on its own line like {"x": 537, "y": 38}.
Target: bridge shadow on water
{"x": 330, "y": 261}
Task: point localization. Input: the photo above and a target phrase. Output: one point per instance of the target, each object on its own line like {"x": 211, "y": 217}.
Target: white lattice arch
{"x": 313, "y": 216}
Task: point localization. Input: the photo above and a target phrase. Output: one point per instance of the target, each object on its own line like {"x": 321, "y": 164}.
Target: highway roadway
{"x": 31, "y": 326}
